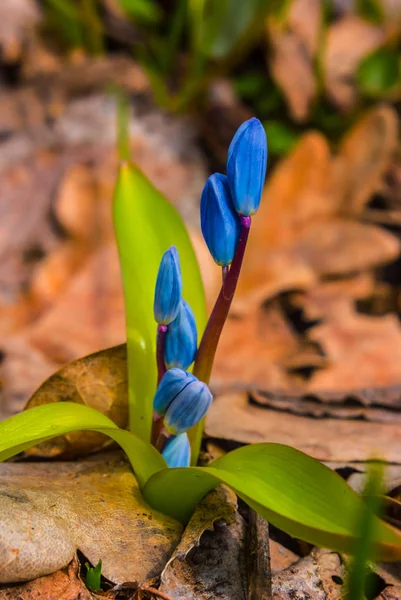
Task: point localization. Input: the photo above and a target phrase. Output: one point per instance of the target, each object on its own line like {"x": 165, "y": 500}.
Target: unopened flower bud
{"x": 188, "y": 407}
{"x": 246, "y": 166}
{"x": 177, "y": 451}
{"x": 181, "y": 339}
{"x": 219, "y": 221}
{"x": 168, "y": 288}
{"x": 173, "y": 382}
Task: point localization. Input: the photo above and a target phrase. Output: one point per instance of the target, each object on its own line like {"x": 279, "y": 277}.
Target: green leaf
{"x": 357, "y": 579}
{"x": 94, "y": 576}
{"x": 281, "y": 138}
{"x": 146, "y": 11}
{"x": 378, "y": 72}
{"x": 371, "y": 10}
{"x": 290, "y": 489}
{"x": 146, "y": 225}
{"x": 42, "y": 423}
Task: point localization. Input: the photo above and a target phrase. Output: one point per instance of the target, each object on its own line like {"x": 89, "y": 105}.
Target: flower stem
{"x": 208, "y": 346}
{"x": 160, "y": 348}
{"x": 161, "y": 369}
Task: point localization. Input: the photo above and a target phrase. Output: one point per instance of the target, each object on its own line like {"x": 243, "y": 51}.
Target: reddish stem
{"x": 208, "y": 346}
{"x": 160, "y": 348}
{"x": 161, "y": 369}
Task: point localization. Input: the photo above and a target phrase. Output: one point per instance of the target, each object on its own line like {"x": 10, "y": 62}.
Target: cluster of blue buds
{"x": 171, "y": 310}
{"x": 227, "y": 203}
{"x": 226, "y": 198}
{"x": 181, "y": 399}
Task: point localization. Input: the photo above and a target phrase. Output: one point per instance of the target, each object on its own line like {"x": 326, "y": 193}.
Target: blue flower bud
{"x": 188, "y": 407}
{"x": 168, "y": 288}
{"x": 177, "y": 451}
{"x": 219, "y": 222}
{"x": 246, "y": 166}
{"x": 173, "y": 382}
{"x": 181, "y": 339}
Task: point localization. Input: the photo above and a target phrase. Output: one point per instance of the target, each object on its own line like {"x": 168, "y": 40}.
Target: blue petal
{"x": 177, "y": 451}
{"x": 168, "y": 287}
{"x": 219, "y": 222}
{"x": 181, "y": 339}
{"x": 188, "y": 408}
{"x": 246, "y": 166}
{"x": 173, "y": 382}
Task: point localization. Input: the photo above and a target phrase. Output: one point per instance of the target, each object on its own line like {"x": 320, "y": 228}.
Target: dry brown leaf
{"x": 364, "y": 157}
{"x": 318, "y": 576}
{"x": 49, "y": 510}
{"x": 99, "y": 381}
{"x": 293, "y": 47}
{"x": 89, "y": 315}
{"x": 53, "y": 273}
{"x": 199, "y": 568}
{"x": 17, "y": 21}
{"x": 340, "y": 246}
{"x": 281, "y": 557}
{"x": 292, "y": 70}
{"x": 77, "y": 204}
{"x": 250, "y": 351}
{"x": 61, "y": 585}
{"x": 232, "y": 417}
{"x": 329, "y": 296}
{"x": 348, "y": 41}
{"x": 362, "y": 351}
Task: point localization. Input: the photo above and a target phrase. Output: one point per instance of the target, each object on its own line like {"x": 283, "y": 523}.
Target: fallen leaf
{"x": 281, "y": 557}
{"x": 209, "y": 563}
{"x": 49, "y": 510}
{"x": 366, "y": 153}
{"x": 292, "y": 70}
{"x": 348, "y": 41}
{"x": 64, "y": 584}
{"x": 291, "y": 59}
{"x": 233, "y": 417}
{"x": 338, "y": 247}
{"x": 270, "y": 339}
{"x": 17, "y": 21}
{"x": 362, "y": 351}
{"x": 77, "y": 207}
{"x": 318, "y": 576}
{"x": 99, "y": 381}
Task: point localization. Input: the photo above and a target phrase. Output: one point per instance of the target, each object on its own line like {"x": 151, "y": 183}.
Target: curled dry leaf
{"x": 200, "y": 568}
{"x": 49, "y": 510}
{"x": 99, "y": 381}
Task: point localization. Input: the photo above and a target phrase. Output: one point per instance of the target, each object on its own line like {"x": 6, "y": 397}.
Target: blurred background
{"x": 319, "y": 303}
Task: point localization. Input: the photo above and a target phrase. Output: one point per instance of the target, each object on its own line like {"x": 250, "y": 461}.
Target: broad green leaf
{"x": 293, "y": 491}
{"x": 146, "y": 225}
{"x": 42, "y": 423}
